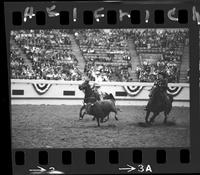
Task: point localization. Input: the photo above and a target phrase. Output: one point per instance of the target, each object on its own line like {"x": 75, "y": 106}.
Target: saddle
{"x": 90, "y": 100}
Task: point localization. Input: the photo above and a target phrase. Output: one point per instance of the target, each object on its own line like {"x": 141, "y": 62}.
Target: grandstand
{"x": 101, "y": 54}
{"x": 49, "y": 54}
{"x": 105, "y": 53}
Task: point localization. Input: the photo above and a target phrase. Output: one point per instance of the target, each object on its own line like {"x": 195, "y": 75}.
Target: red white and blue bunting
{"x": 174, "y": 90}
{"x": 133, "y": 90}
{"x": 41, "y": 88}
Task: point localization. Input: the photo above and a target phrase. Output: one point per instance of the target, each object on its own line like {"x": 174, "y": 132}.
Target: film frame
{"x": 53, "y": 157}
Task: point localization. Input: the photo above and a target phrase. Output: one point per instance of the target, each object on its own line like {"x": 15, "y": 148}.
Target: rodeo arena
{"x": 99, "y": 88}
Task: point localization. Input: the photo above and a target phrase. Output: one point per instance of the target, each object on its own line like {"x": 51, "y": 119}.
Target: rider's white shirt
{"x": 100, "y": 93}
{"x": 99, "y": 79}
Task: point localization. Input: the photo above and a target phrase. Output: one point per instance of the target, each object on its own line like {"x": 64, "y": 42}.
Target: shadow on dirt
{"x": 109, "y": 126}
{"x": 143, "y": 124}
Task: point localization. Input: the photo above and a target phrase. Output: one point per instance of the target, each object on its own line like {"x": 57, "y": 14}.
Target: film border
{"x": 102, "y": 154}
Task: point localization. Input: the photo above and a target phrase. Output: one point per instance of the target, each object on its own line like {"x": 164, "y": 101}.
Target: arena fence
{"x": 51, "y": 92}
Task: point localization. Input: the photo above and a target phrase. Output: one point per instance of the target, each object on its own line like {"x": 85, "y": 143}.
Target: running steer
{"x": 101, "y": 109}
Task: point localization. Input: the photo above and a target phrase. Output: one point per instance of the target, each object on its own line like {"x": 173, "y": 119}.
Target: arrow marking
{"x": 41, "y": 170}
{"x": 129, "y": 168}
{"x": 38, "y": 170}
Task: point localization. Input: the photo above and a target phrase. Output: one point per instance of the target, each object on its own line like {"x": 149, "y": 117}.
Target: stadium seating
{"x": 49, "y": 52}
{"x": 106, "y": 53}
{"x": 166, "y": 47}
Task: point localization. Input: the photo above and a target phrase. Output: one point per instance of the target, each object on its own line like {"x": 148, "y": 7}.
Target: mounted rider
{"x": 161, "y": 83}
{"x": 97, "y": 92}
{"x": 94, "y": 96}
{"x": 87, "y": 82}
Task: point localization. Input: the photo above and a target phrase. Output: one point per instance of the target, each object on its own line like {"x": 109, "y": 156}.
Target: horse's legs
{"x": 80, "y": 114}
{"x": 116, "y": 116}
{"x": 101, "y": 120}
{"x": 115, "y": 111}
{"x": 106, "y": 118}
{"x": 84, "y": 114}
{"x": 153, "y": 117}
{"x": 165, "y": 119}
{"x": 98, "y": 122}
{"x": 147, "y": 116}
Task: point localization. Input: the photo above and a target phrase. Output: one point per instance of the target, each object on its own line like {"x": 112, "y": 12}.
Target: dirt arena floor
{"x": 49, "y": 126}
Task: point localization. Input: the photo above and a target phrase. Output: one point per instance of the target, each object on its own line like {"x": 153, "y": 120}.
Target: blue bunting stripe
{"x": 41, "y": 88}
{"x": 133, "y": 90}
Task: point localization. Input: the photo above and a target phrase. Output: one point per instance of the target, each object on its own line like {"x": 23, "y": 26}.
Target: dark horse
{"x": 91, "y": 96}
{"x": 160, "y": 102}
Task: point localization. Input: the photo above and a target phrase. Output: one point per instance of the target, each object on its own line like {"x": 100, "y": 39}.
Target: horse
{"x": 91, "y": 97}
{"x": 159, "y": 102}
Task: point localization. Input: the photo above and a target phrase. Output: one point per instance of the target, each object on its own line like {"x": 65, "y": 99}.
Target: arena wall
{"x": 59, "y": 92}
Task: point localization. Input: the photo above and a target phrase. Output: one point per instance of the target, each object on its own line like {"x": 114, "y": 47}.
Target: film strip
{"x": 103, "y": 87}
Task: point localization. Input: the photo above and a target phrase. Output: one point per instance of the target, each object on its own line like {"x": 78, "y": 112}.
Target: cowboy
{"x": 161, "y": 84}
{"x": 96, "y": 90}
{"x": 87, "y": 82}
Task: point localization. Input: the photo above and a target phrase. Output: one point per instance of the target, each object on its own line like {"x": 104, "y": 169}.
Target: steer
{"x": 101, "y": 109}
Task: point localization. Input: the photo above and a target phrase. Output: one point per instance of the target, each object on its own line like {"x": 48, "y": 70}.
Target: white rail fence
{"x": 67, "y": 92}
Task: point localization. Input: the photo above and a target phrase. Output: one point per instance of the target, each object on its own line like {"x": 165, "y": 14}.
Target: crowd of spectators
{"x": 147, "y": 72}
{"x": 17, "y": 65}
{"x": 169, "y": 44}
{"x": 106, "y": 72}
{"x": 49, "y": 52}
{"x": 157, "y": 38}
{"x": 105, "y": 52}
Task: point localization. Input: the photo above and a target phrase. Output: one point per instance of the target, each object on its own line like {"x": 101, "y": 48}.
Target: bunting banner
{"x": 174, "y": 90}
{"x": 41, "y": 88}
{"x": 133, "y": 90}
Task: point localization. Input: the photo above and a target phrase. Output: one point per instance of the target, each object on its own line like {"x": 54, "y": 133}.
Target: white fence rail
{"x": 67, "y": 92}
